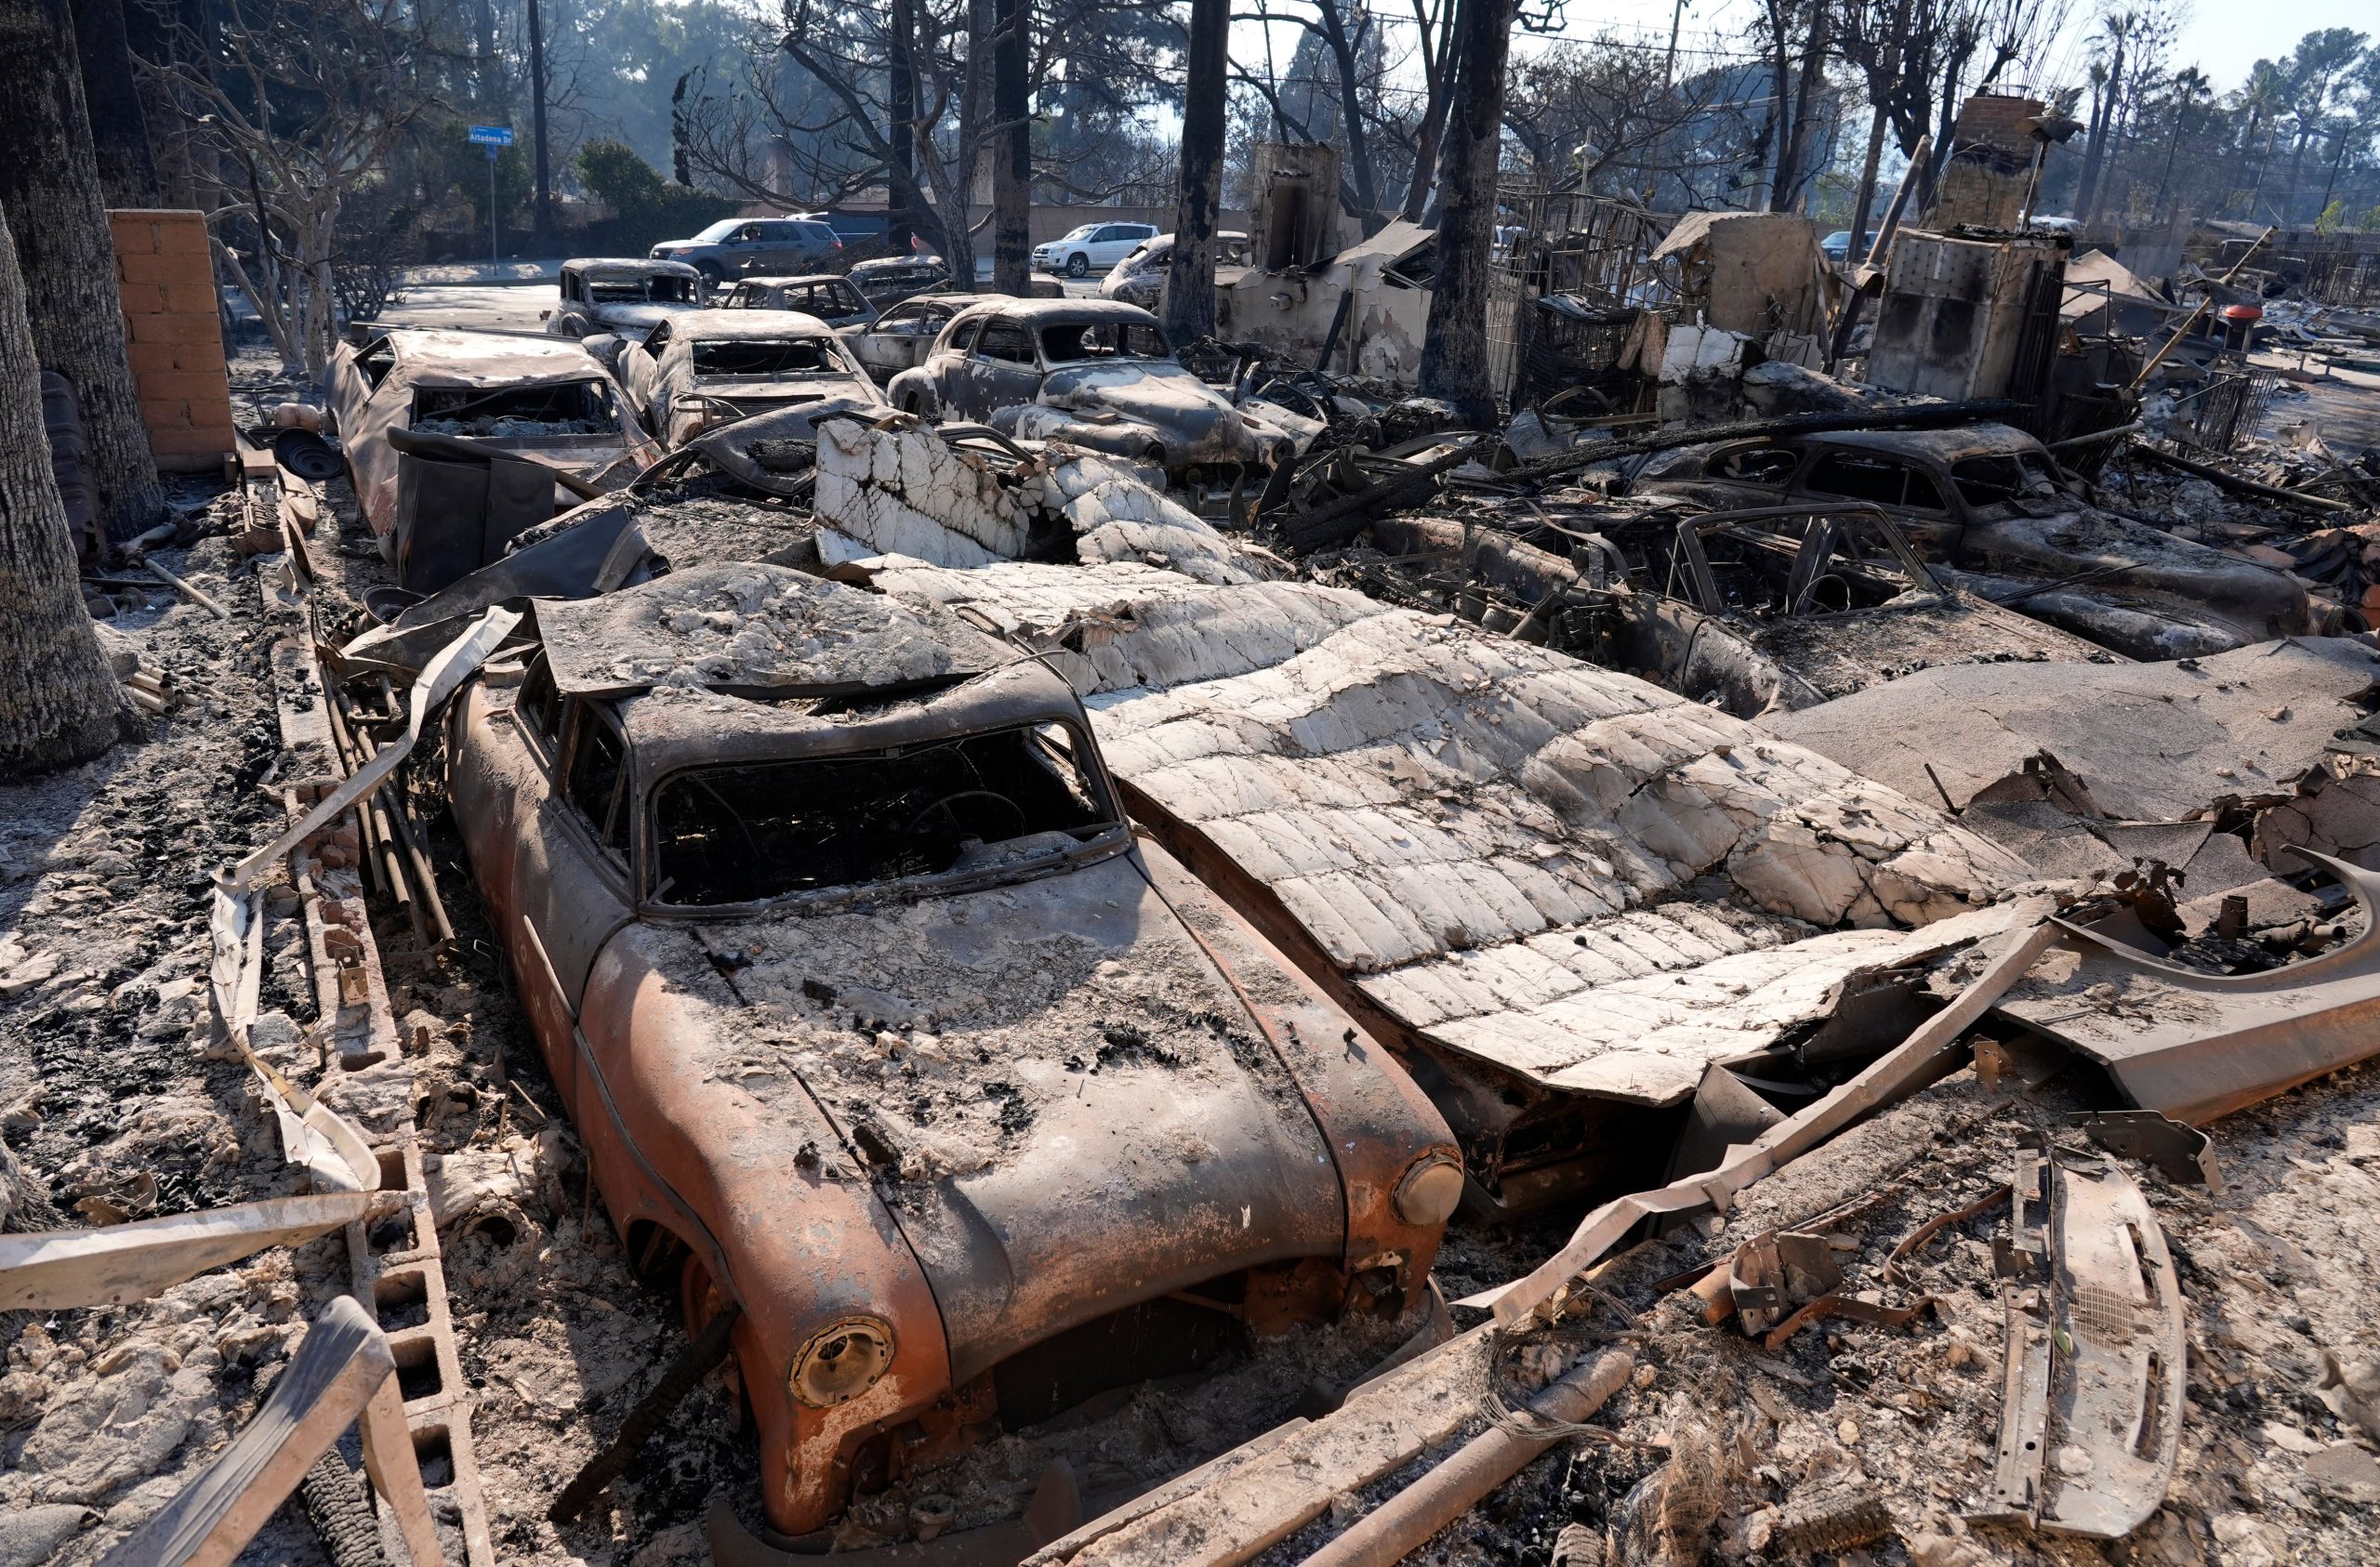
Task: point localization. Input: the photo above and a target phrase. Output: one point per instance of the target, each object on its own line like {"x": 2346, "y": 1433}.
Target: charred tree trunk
{"x": 1012, "y": 153}
{"x": 1454, "y": 355}
{"x": 58, "y": 704}
{"x": 119, "y": 127}
{"x": 543, "y": 231}
{"x": 1351, "y": 116}
{"x": 1856, "y": 250}
{"x": 1425, "y": 205}
{"x": 49, "y": 187}
{"x": 1795, "y": 165}
{"x": 901, "y": 129}
{"x": 1190, "y": 276}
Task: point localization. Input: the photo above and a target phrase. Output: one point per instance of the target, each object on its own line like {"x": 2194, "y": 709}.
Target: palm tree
{"x": 2264, "y": 98}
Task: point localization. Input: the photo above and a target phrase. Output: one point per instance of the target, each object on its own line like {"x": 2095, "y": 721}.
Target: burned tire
{"x": 1078, "y": 265}
{"x": 350, "y": 1535}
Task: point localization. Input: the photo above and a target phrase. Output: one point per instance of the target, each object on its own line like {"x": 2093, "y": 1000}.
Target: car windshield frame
{"x": 831, "y": 358}
{"x": 1102, "y": 834}
{"x": 1084, "y": 232}
{"x": 1125, "y": 330}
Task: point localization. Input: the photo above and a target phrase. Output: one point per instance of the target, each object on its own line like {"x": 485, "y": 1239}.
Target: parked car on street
{"x": 736, "y": 247}
{"x": 1986, "y": 499}
{"x": 827, "y": 295}
{"x": 1139, "y": 279}
{"x": 1099, "y": 375}
{"x": 1093, "y": 247}
{"x": 709, "y": 367}
{"x": 1837, "y": 245}
{"x": 497, "y": 407}
{"x": 621, "y": 294}
{"x": 880, "y": 1028}
{"x": 899, "y": 339}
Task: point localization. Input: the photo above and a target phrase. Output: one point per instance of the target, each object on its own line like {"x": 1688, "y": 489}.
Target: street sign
{"x": 492, "y": 136}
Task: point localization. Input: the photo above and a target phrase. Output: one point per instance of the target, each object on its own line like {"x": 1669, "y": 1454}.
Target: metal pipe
{"x": 1399, "y": 1525}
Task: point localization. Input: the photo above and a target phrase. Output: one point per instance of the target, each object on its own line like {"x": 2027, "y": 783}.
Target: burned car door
{"x": 1001, "y": 371}
{"x": 569, "y": 889}
{"x": 899, "y": 339}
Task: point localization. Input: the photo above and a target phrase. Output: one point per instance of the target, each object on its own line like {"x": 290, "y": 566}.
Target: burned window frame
{"x": 1108, "y": 833}
{"x": 613, "y": 837}
{"x": 1911, "y": 471}
{"x": 542, "y": 729}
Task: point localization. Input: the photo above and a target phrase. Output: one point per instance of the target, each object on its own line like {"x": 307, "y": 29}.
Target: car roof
{"x": 1063, "y": 313}
{"x": 773, "y": 629}
{"x": 630, "y": 266}
{"x": 445, "y": 355}
{"x": 745, "y": 326}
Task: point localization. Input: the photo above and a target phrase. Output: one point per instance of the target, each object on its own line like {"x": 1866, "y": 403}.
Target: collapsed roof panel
{"x": 1489, "y": 841}
{"x": 2154, "y": 741}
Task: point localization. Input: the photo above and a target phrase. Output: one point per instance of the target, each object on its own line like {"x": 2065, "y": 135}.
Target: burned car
{"x": 887, "y": 280}
{"x": 882, "y": 1029}
{"x": 901, "y": 337}
{"x": 712, "y": 367}
{"x": 1139, "y": 279}
{"x": 455, "y": 440}
{"x": 826, "y": 296}
{"x": 1987, "y": 500}
{"x": 1098, "y": 374}
{"x": 622, "y": 295}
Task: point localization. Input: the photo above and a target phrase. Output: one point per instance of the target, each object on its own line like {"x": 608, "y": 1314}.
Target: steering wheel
{"x": 945, "y": 804}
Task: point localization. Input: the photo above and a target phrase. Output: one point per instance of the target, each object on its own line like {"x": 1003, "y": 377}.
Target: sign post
{"x": 494, "y": 138}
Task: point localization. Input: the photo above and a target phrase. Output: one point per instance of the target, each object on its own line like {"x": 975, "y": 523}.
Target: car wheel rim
{"x": 1077, "y": 267}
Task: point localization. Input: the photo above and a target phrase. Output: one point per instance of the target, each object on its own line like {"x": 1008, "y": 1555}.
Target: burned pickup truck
{"x": 1986, "y": 500}
{"x": 881, "y": 1030}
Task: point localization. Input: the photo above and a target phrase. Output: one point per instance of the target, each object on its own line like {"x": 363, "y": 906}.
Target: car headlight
{"x": 1428, "y": 1193}
{"x": 841, "y": 1360}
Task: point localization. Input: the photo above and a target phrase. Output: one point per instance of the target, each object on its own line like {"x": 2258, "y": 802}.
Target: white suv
{"x": 1099, "y": 245}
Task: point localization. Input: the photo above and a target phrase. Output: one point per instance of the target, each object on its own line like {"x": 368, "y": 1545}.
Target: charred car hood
{"x": 1141, "y": 403}
{"x": 2114, "y": 558}
{"x": 1064, "y": 1105}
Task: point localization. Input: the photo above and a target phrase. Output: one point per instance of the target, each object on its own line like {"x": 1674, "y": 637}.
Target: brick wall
{"x": 174, "y": 336}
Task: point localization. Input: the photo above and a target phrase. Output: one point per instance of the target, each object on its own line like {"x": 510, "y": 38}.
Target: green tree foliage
{"x": 646, "y": 208}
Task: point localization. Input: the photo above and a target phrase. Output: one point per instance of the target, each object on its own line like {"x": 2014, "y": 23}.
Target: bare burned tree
{"x": 49, "y": 185}
{"x": 1454, "y": 355}
{"x": 1011, "y": 149}
{"x": 834, "y": 127}
{"x": 1190, "y": 275}
{"x": 1604, "y": 116}
{"x": 304, "y": 101}
{"x": 59, "y": 706}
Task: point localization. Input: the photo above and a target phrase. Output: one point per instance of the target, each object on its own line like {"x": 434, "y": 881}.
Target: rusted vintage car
{"x": 1099, "y": 375}
{"x": 1987, "y": 501}
{"x": 1139, "y": 279}
{"x": 711, "y": 367}
{"x": 827, "y": 295}
{"x": 456, "y": 440}
{"x": 881, "y": 1027}
{"x": 622, "y": 294}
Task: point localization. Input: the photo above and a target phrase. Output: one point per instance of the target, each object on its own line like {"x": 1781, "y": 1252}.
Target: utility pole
{"x": 544, "y": 227}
